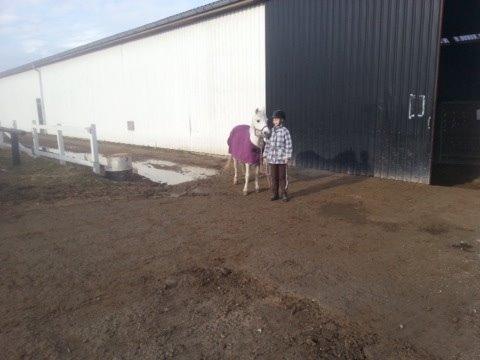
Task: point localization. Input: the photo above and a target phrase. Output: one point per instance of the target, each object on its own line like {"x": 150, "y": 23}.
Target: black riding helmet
{"x": 279, "y": 114}
{"x": 276, "y": 114}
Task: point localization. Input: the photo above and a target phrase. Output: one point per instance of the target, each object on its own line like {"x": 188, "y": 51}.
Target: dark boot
{"x": 274, "y": 179}
{"x": 285, "y": 197}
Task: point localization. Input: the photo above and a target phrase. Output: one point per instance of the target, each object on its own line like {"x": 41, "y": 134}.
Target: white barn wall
{"x": 18, "y": 94}
{"x": 184, "y": 89}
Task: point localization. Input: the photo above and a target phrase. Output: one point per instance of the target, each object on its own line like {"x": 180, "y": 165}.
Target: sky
{"x": 33, "y": 29}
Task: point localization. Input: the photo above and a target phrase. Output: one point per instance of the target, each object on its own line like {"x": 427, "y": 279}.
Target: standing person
{"x": 278, "y": 152}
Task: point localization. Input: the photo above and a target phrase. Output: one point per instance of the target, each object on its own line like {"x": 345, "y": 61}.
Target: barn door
{"x": 344, "y": 70}
{"x": 410, "y": 36}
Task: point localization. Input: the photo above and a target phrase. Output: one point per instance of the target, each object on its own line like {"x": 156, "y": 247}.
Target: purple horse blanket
{"x": 240, "y": 146}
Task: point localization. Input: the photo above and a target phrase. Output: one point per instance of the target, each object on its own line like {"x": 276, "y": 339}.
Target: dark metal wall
{"x": 458, "y": 140}
{"x": 344, "y": 70}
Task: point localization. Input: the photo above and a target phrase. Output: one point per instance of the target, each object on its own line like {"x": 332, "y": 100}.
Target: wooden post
{"x": 2, "y": 138}
{"x": 36, "y": 145}
{"x": 94, "y": 148}
{"x": 61, "y": 146}
{"x": 15, "y": 149}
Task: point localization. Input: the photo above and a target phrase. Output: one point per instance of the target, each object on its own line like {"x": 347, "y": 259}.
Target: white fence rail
{"x": 62, "y": 156}
{"x": 6, "y": 145}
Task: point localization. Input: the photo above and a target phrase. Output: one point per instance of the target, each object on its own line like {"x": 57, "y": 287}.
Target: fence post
{"x": 15, "y": 149}
{"x": 94, "y": 147}
{"x": 61, "y": 145}
{"x": 36, "y": 145}
{"x": 15, "y": 145}
{"x": 2, "y": 139}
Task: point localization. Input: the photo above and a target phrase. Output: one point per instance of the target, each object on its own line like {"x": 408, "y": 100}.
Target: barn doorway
{"x": 457, "y": 132}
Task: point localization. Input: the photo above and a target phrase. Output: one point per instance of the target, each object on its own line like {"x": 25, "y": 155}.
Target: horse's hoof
{"x": 245, "y": 193}
{"x": 235, "y": 182}
{"x": 257, "y": 190}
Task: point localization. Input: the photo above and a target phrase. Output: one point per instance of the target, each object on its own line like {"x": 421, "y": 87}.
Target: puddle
{"x": 171, "y": 173}
{"x": 159, "y": 171}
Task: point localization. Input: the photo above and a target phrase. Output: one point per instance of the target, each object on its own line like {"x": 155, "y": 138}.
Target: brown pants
{"x": 278, "y": 174}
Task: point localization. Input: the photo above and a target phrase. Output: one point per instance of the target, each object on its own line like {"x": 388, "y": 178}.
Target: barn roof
{"x": 172, "y": 22}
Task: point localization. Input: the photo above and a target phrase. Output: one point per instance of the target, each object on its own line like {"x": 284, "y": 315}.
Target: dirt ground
{"x": 351, "y": 268}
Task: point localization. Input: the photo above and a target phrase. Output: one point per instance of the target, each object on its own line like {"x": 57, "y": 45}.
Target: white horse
{"x": 245, "y": 146}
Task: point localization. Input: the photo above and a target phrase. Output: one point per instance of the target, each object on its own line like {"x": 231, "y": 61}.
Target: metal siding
{"x": 18, "y": 96}
{"x": 433, "y": 30}
{"x": 343, "y": 69}
{"x": 184, "y": 89}
{"x": 188, "y": 17}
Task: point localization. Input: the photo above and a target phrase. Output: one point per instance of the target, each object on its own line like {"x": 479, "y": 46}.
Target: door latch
{"x": 410, "y": 106}
{"x": 424, "y": 103}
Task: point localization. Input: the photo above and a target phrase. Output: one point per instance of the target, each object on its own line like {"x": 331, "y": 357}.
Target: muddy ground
{"x": 351, "y": 268}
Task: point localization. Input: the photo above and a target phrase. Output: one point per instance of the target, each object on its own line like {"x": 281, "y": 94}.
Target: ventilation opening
{"x": 457, "y": 135}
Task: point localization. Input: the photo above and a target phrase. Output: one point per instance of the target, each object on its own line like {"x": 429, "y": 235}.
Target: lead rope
{"x": 267, "y": 169}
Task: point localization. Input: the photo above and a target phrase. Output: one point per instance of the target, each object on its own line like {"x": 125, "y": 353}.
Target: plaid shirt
{"x": 278, "y": 149}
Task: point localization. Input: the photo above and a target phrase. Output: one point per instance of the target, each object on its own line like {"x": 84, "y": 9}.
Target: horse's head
{"x": 259, "y": 123}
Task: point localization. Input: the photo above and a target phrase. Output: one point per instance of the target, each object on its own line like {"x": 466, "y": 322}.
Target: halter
{"x": 259, "y": 133}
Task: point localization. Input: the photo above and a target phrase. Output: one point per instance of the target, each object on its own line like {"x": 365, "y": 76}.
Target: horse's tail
{"x": 230, "y": 157}
{"x": 229, "y": 162}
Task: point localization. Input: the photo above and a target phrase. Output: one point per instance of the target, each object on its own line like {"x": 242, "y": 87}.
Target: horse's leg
{"x": 257, "y": 173}
{"x": 247, "y": 179}
{"x": 235, "y": 168}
